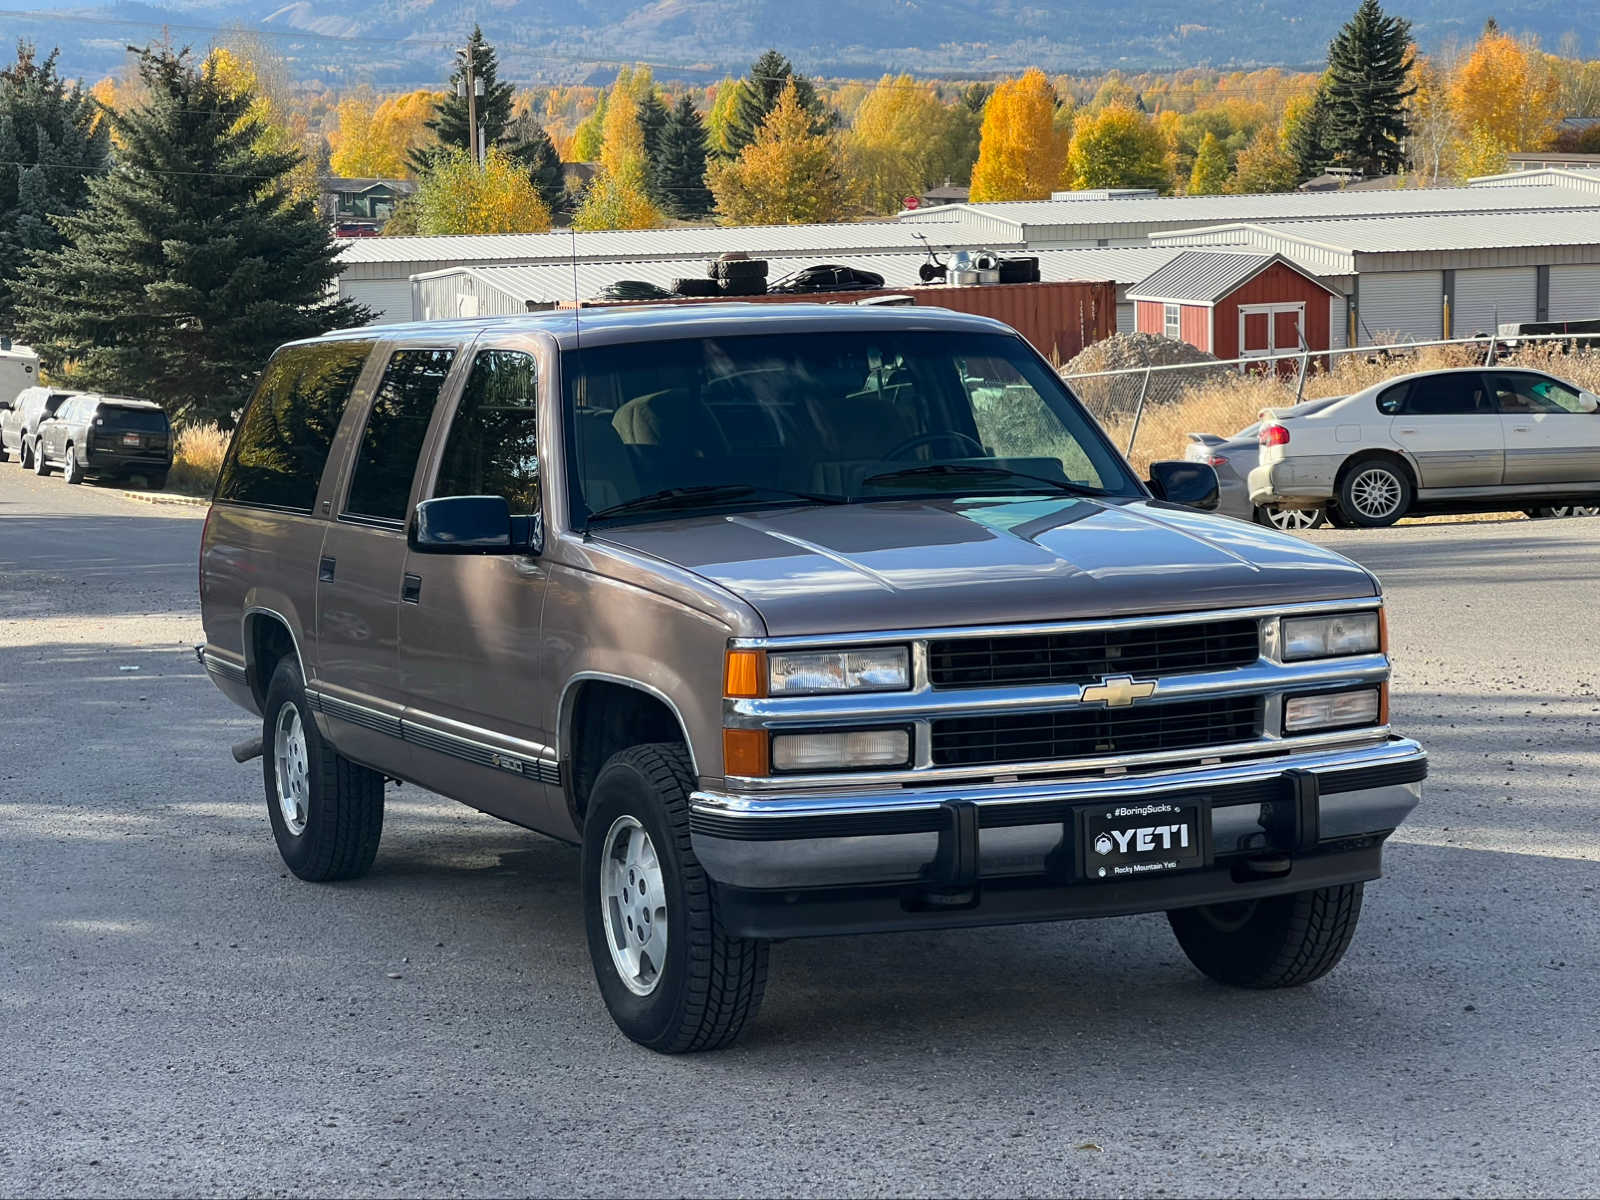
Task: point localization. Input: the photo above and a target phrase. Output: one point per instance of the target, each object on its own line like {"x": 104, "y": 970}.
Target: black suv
{"x": 19, "y": 420}
{"x": 106, "y": 437}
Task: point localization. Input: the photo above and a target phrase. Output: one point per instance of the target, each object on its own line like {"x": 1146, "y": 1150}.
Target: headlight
{"x": 1331, "y": 637}
{"x": 841, "y": 749}
{"x": 1332, "y": 710}
{"x": 880, "y": 669}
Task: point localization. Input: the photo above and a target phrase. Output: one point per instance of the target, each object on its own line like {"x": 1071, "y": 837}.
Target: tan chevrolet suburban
{"x": 799, "y": 620}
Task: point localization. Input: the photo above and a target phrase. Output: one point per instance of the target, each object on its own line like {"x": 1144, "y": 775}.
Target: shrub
{"x": 196, "y": 459}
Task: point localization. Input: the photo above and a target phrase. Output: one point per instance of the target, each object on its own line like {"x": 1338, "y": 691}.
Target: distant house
{"x": 362, "y": 205}
{"x": 1536, "y": 160}
{"x": 1237, "y": 305}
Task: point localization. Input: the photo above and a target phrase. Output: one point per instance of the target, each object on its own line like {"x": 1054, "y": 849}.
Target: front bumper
{"x": 993, "y": 853}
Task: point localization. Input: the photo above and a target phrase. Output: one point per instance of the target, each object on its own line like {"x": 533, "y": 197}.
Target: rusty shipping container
{"x": 1059, "y": 319}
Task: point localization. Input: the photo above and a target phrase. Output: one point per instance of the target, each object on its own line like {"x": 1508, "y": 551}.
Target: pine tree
{"x": 758, "y": 95}
{"x": 790, "y": 175}
{"x": 51, "y": 145}
{"x": 680, "y": 164}
{"x": 1369, "y": 63}
{"x": 449, "y": 122}
{"x": 1210, "y": 173}
{"x": 1306, "y": 134}
{"x": 190, "y": 262}
{"x": 532, "y": 147}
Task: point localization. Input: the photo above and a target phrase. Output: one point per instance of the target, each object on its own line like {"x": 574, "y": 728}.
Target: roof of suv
{"x": 656, "y": 322}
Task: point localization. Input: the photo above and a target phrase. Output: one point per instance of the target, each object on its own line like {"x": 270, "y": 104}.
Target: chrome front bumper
{"x": 861, "y": 837}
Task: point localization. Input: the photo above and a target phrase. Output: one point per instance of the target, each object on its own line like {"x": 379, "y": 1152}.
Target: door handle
{"x": 1521, "y": 429}
{"x": 325, "y": 570}
{"x": 1405, "y": 431}
{"x": 411, "y": 589}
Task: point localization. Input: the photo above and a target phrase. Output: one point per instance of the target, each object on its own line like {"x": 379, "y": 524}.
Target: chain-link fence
{"x": 1150, "y": 411}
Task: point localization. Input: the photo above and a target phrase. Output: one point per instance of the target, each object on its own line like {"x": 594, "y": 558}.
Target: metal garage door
{"x": 1487, "y": 296}
{"x": 1408, "y": 305}
{"x": 390, "y": 299}
{"x": 1574, "y": 293}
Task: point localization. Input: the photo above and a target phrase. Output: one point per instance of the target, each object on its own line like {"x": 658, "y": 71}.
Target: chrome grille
{"x": 1087, "y": 656}
{"x": 1087, "y": 731}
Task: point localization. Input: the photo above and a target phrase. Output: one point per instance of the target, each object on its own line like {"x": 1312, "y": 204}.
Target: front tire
{"x": 1375, "y": 492}
{"x": 1277, "y": 942}
{"x": 40, "y": 465}
{"x": 672, "y": 980}
{"x": 73, "y": 471}
{"x": 326, "y": 811}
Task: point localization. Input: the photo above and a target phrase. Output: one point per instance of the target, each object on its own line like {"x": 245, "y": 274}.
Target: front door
{"x": 470, "y": 624}
{"x": 1549, "y": 437}
{"x": 359, "y": 577}
{"x": 1450, "y": 428}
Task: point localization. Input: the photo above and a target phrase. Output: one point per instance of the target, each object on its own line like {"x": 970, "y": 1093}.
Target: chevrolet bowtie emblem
{"x": 1118, "y": 691}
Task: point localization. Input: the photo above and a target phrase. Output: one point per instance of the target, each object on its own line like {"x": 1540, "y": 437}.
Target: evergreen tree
{"x": 680, "y": 163}
{"x": 1369, "y": 64}
{"x": 1306, "y": 135}
{"x": 51, "y": 145}
{"x": 190, "y": 262}
{"x": 758, "y": 95}
{"x": 449, "y": 122}
{"x": 531, "y": 145}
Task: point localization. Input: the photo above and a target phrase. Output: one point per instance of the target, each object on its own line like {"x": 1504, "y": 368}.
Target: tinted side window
{"x": 392, "y": 440}
{"x": 282, "y": 442}
{"x": 1447, "y": 395}
{"x": 1522, "y": 393}
{"x": 492, "y": 448}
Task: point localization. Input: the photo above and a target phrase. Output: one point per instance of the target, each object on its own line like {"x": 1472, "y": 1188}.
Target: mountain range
{"x": 402, "y": 43}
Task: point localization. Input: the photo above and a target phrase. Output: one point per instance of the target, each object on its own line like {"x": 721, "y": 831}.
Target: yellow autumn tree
{"x": 374, "y": 138}
{"x": 897, "y": 139}
{"x": 458, "y": 196}
{"x": 619, "y": 198}
{"x": 1507, "y": 89}
{"x": 1478, "y": 152}
{"x": 789, "y": 175}
{"x": 1021, "y": 151}
{"x": 1118, "y": 147}
{"x": 248, "y": 69}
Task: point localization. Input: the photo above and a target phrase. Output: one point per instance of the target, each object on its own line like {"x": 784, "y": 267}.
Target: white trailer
{"x": 19, "y": 368}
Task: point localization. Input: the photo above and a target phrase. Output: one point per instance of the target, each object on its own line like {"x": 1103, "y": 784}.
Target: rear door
{"x": 362, "y": 562}
{"x": 1450, "y": 428}
{"x": 1549, "y": 438}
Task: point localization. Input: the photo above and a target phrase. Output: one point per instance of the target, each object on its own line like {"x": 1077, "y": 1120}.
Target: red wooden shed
{"x": 1237, "y": 305}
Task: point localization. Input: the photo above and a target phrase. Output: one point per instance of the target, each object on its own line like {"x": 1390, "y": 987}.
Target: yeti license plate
{"x": 1142, "y": 837}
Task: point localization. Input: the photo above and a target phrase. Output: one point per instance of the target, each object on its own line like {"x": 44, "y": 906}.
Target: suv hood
{"x": 929, "y": 563}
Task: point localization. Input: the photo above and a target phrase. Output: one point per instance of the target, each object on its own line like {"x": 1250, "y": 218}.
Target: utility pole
{"x": 472, "y": 110}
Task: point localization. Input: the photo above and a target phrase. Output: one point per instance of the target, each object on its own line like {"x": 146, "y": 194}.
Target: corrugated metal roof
{"x": 1201, "y": 276}
{"x": 1285, "y": 206}
{"x": 1408, "y": 234}
{"x": 546, "y": 282}
{"x": 674, "y": 242}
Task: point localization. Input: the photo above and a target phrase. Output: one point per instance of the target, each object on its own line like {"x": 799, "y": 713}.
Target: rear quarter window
{"x": 282, "y": 442}
{"x": 1392, "y": 401}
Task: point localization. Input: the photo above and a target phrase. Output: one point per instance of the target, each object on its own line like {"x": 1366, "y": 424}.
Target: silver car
{"x": 1233, "y": 458}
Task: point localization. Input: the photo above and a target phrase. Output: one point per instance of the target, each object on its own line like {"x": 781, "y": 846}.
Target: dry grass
{"x": 1178, "y": 406}
{"x": 196, "y": 459}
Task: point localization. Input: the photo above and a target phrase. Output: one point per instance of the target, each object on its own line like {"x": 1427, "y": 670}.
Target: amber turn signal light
{"x": 744, "y": 752}
{"x": 744, "y": 676}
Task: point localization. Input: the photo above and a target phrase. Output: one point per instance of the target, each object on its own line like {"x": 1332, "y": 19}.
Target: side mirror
{"x": 465, "y": 525}
{"x": 1588, "y": 401}
{"x": 1191, "y": 484}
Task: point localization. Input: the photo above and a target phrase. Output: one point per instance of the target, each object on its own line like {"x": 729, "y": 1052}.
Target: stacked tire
{"x": 730, "y": 275}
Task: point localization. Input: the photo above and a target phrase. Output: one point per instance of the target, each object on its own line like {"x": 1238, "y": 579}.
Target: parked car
{"x": 827, "y": 277}
{"x": 105, "y": 437}
{"x": 761, "y": 607}
{"x": 19, "y": 421}
{"x": 1461, "y": 440}
{"x": 1234, "y": 458}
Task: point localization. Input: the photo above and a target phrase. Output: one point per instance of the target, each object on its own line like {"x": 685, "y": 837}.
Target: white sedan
{"x": 1475, "y": 438}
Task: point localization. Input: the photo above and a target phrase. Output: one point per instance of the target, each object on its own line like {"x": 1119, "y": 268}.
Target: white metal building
{"x": 1584, "y": 182}
{"x": 377, "y": 271}
{"x": 1423, "y": 277}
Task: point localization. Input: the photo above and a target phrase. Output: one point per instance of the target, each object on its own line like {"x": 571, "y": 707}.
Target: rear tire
{"x": 72, "y": 472}
{"x": 326, "y": 811}
{"x": 1278, "y": 942}
{"x": 1375, "y": 492}
{"x": 156, "y": 483}
{"x": 25, "y": 455}
{"x": 707, "y": 984}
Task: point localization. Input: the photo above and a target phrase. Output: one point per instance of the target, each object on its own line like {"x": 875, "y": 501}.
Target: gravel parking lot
{"x": 178, "y": 1015}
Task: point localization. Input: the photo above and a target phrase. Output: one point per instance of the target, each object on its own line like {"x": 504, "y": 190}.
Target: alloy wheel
{"x": 1375, "y": 493}
{"x": 633, "y": 905}
{"x": 292, "y": 767}
{"x": 1294, "y": 520}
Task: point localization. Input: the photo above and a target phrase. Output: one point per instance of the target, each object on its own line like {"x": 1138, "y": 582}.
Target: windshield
{"x": 731, "y": 422}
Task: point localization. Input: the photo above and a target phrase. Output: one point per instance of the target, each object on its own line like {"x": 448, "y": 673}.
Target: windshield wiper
{"x": 972, "y": 471}
{"x": 668, "y": 499}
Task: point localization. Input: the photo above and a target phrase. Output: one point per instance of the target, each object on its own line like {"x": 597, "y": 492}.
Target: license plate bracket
{"x": 1138, "y": 839}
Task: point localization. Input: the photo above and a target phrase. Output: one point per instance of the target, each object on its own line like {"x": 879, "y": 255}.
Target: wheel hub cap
{"x": 633, "y": 904}
{"x": 1376, "y": 493}
{"x": 292, "y": 766}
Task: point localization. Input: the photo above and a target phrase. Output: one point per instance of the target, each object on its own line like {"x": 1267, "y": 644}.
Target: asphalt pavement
{"x": 178, "y": 1015}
